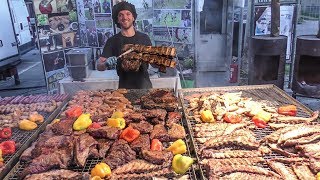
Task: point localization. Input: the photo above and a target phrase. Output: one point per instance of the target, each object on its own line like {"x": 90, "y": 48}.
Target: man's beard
{"x": 127, "y": 27}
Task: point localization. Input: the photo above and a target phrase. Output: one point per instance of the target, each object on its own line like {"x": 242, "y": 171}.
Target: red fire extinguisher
{"x": 233, "y": 73}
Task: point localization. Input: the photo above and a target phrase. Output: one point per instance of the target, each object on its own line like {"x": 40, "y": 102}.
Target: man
{"x": 124, "y": 16}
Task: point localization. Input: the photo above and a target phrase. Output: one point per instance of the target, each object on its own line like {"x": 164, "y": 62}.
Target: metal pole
{"x": 275, "y": 18}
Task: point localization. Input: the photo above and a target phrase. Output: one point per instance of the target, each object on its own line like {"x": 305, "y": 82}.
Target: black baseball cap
{"x": 124, "y": 5}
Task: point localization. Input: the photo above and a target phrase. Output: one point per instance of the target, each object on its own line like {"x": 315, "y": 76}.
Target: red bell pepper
{"x": 129, "y": 134}
{"x": 232, "y": 118}
{"x": 290, "y": 110}
{"x": 74, "y": 112}
{"x": 5, "y": 133}
{"x": 94, "y": 125}
{"x": 156, "y": 145}
{"x": 259, "y": 122}
{"x": 8, "y": 147}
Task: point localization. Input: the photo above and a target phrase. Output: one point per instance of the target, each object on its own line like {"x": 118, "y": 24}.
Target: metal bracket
{"x": 1, "y": 44}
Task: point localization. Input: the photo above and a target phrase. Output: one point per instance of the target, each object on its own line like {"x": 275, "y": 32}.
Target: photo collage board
{"x": 58, "y": 31}
{"x": 173, "y": 24}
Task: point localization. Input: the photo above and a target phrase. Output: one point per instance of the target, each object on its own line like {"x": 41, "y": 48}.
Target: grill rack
{"x": 132, "y": 95}
{"x": 24, "y": 138}
{"x": 257, "y": 92}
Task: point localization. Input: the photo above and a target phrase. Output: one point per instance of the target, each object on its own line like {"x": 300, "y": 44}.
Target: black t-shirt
{"x": 129, "y": 79}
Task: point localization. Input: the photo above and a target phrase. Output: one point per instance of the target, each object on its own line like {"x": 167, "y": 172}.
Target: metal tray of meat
{"x": 257, "y": 92}
{"x": 133, "y": 96}
{"x": 23, "y": 139}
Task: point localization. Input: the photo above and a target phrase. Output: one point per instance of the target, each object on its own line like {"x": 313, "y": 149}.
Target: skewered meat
{"x": 142, "y": 142}
{"x": 176, "y": 132}
{"x": 105, "y": 132}
{"x": 137, "y": 166}
{"x": 142, "y": 126}
{"x": 119, "y": 154}
{"x": 285, "y": 172}
{"x": 166, "y": 172}
{"x": 233, "y": 161}
{"x": 160, "y": 50}
{"x": 60, "y": 174}
{"x": 160, "y": 132}
{"x": 303, "y": 172}
{"x": 130, "y": 64}
{"x": 103, "y": 146}
{"x": 157, "y": 157}
{"x": 82, "y": 148}
{"x": 173, "y": 117}
{"x": 218, "y": 154}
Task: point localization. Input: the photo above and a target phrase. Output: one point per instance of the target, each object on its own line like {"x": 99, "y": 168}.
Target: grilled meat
{"x": 310, "y": 150}
{"x": 233, "y": 161}
{"x": 173, "y": 117}
{"x": 219, "y": 154}
{"x": 26, "y": 156}
{"x": 225, "y": 127}
{"x": 142, "y": 142}
{"x": 273, "y": 137}
{"x": 303, "y": 172}
{"x": 61, "y": 158}
{"x": 285, "y": 172}
{"x": 277, "y": 149}
{"x": 131, "y": 63}
{"x": 241, "y": 141}
{"x": 160, "y": 98}
{"x": 157, "y": 157}
{"x": 60, "y": 174}
{"x": 298, "y": 132}
{"x": 214, "y": 171}
{"x": 176, "y": 132}
{"x": 315, "y": 165}
{"x": 155, "y": 113}
{"x": 160, "y": 132}
{"x": 119, "y": 154}
{"x": 142, "y": 126}
{"x": 247, "y": 176}
{"x": 156, "y": 50}
{"x": 302, "y": 140}
{"x": 105, "y": 132}
{"x": 166, "y": 172}
{"x": 63, "y": 127}
{"x": 276, "y": 126}
{"x": 103, "y": 146}
{"x": 135, "y": 117}
{"x": 290, "y": 160}
{"x": 296, "y": 120}
{"x": 137, "y": 166}
{"x": 82, "y": 148}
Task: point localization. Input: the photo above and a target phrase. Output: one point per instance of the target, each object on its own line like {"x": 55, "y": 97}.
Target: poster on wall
{"x": 176, "y": 4}
{"x": 263, "y": 23}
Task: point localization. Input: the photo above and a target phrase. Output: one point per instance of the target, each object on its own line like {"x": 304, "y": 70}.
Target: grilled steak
{"x": 63, "y": 127}
{"x": 26, "y": 156}
{"x": 82, "y": 148}
{"x": 143, "y": 126}
{"x": 105, "y": 132}
{"x": 176, "y": 132}
{"x": 135, "y": 117}
{"x": 137, "y": 166}
{"x": 160, "y": 98}
{"x": 60, "y": 174}
{"x": 119, "y": 154}
{"x": 142, "y": 142}
{"x": 160, "y": 132}
{"x": 157, "y": 157}
{"x": 173, "y": 117}
{"x": 103, "y": 146}
{"x": 155, "y": 113}
{"x": 166, "y": 172}
{"x": 61, "y": 158}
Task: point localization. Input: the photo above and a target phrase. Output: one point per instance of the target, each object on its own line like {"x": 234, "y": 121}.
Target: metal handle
{"x": 1, "y": 44}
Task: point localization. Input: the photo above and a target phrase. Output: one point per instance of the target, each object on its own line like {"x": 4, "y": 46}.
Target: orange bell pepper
{"x": 74, "y": 112}
{"x": 232, "y": 118}
{"x": 290, "y": 110}
{"x": 156, "y": 145}
{"x": 129, "y": 134}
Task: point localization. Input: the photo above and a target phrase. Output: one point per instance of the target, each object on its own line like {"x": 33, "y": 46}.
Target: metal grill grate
{"x": 260, "y": 92}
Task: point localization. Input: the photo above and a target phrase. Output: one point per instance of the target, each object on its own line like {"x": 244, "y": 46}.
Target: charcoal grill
{"x": 132, "y": 95}
{"x": 267, "y": 60}
{"x": 306, "y": 74}
{"x": 25, "y": 138}
{"x": 257, "y": 92}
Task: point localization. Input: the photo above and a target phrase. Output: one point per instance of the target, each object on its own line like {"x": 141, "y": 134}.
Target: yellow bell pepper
{"x": 181, "y": 164}
{"x": 116, "y": 122}
{"x": 55, "y": 121}
{"x": 1, "y": 159}
{"x": 263, "y": 115}
{"x": 117, "y": 114}
{"x": 83, "y": 122}
{"x": 318, "y": 176}
{"x": 178, "y": 147}
{"x": 207, "y": 116}
{"x": 27, "y": 125}
{"x": 102, "y": 170}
